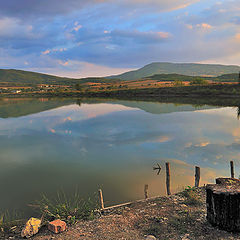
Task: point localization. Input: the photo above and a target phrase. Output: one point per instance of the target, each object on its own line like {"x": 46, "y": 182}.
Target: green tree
{"x": 198, "y": 81}
{"x": 78, "y": 87}
{"x": 178, "y": 83}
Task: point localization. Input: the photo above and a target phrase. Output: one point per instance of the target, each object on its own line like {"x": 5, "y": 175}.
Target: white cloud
{"x": 11, "y": 27}
{"x": 77, "y": 26}
{"x": 202, "y": 144}
{"x": 204, "y": 26}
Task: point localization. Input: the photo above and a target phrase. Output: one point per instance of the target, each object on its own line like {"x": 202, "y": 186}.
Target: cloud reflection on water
{"x": 114, "y": 146}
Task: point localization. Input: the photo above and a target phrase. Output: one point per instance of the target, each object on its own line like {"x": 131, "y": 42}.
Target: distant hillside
{"x": 26, "y": 77}
{"x": 19, "y": 76}
{"x": 233, "y": 77}
{"x": 172, "y": 77}
{"x": 13, "y": 76}
{"x": 190, "y": 69}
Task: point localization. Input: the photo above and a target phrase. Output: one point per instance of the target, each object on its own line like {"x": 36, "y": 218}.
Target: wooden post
{"x": 232, "y": 169}
{"x": 146, "y": 191}
{"x": 101, "y": 198}
{"x": 168, "y": 178}
{"x": 197, "y": 176}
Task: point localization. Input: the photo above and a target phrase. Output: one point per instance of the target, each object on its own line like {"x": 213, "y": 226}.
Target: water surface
{"x": 49, "y": 145}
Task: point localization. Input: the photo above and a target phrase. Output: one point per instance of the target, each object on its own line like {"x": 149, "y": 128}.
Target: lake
{"x": 50, "y": 145}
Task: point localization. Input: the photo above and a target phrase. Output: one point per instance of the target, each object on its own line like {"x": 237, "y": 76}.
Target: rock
{"x": 150, "y": 237}
{"x": 31, "y": 227}
{"x": 57, "y": 226}
{"x": 186, "y": 237}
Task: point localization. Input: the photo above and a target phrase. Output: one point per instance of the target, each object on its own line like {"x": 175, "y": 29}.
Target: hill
{"x": 26, "y": 77}
{"x": 15, "y": 77}
{"x": 19, "y": 76}
{"x": 174, "y": 76}
{"x": 190, "y": 69}
{"x": 232, "y": 77}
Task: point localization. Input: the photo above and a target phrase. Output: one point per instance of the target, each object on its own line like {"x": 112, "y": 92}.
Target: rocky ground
{"x": 175, "y": 217}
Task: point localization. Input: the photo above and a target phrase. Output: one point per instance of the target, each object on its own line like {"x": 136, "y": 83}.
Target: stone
{"x": 186, "y": 237}
{"x": 57, "y": 226}
{"x": 150, "y": 237}
{"x": 31, "y": 227}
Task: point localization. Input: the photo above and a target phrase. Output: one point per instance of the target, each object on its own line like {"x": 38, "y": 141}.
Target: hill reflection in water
{"x": 63, "y": 143}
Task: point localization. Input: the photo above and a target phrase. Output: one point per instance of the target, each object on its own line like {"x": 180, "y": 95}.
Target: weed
{"x": 191, "y": 196}
{"x": 66, "y": 208}
{"x": 8, "y": 220}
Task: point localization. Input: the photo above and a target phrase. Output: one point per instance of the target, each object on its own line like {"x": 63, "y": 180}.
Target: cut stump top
{"x": 225, "y": 186}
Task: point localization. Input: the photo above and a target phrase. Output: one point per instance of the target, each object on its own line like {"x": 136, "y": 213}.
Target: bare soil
{"x": 166, "y": 218}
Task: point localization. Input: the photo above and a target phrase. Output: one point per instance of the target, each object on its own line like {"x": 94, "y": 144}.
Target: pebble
{"x": 183, "y": 205}
{"x": 185, "y": 237}
{"x": 150, "y": 237}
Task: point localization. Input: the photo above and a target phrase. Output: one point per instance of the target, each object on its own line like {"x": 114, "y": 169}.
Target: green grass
{"x": 67, "y": 208}
{"x": 191, "y": 196}
{"x": 9, "y": 219}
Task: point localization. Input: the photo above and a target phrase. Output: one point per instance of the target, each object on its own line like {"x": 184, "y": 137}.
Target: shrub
{"x": 198, "y": 81}
{"x": 178, "y": 83}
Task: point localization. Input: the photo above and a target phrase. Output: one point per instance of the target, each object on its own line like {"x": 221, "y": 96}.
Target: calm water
{"x": 58, "y": 144}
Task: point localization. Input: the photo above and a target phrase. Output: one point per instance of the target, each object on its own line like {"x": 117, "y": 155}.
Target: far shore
{"x": 221, "y": 95}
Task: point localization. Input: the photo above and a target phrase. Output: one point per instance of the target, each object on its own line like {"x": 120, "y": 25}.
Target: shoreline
{"x": 170, "y": 217}
{"x": 207, "y": 92}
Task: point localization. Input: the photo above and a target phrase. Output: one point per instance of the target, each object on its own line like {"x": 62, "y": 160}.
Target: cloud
{"x": 48, "y": 51}
{"x": 76, "y": 69}
{"x": 146, "y": 37}
{"x": 38, "y": 9}
{"x": 115, "y": 35}
{"x": 63, "y": 63}
{"x": 52, "y": 131}
{"x": 11, "y": 27}
{"x": 204, "y": 26}
{"x": 202, "y": 144}
{"x": 237, "y": 36}
{"x": 77, "y": 26}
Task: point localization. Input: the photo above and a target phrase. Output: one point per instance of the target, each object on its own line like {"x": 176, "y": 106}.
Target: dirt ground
{"x": 166, "y": 218}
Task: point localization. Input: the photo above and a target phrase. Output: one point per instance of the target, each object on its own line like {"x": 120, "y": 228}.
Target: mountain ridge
{"x": 189, "y": 69}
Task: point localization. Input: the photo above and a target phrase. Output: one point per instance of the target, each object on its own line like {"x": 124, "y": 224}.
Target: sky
{"x": 78, "y": 38}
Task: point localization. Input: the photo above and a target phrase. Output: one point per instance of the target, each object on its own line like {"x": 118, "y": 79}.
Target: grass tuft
{"x": 9, "y": 219}
{"x": 69, "y": 209}
{"x": 191, "y": 196}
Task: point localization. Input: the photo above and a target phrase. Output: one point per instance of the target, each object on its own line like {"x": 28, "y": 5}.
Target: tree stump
{"x": 223, "y": 204}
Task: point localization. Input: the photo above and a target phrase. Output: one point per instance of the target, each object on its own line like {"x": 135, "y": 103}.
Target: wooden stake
{"x": 101, "y": 198}
{"x": 146, "y": 191}
{"x": 197, "y": 176}
{"x": 168, "y": 178}
{"x": 232, "y": 169}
